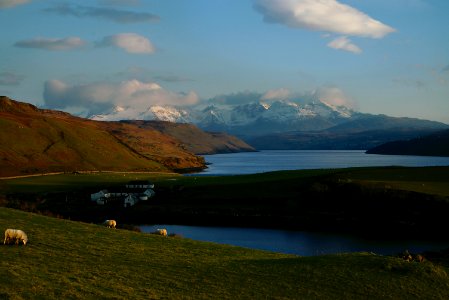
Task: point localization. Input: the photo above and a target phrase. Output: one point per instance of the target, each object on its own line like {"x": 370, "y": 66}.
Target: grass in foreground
{"x": 66, "y": 259}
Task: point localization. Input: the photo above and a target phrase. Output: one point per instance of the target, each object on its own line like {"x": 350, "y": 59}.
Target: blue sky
{"x": 380, "y": 56}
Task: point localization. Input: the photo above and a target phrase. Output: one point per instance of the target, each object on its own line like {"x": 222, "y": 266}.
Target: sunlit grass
{"x": 66, "y": 259}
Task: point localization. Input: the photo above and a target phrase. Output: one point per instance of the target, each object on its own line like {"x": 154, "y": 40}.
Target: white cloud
{"x": 322, "y": 15}
{"x": 98, "y": 97}
{"x": 11, "y": 3}
{"x": 329, "y": 16}
{"x": 277, "y": 94}
{"x": 343, "y": 43}
{"x": 331, "y": 95}
{"x": 334, "y": 96}
{"x": 130, "y": 42}
{"x": 53, "y": 44}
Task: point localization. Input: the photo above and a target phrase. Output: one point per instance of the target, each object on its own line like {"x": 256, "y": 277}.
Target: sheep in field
{"x": 110, "y": 223}
{"x": 15, "y": 235}
{"x": 162, "y": 232}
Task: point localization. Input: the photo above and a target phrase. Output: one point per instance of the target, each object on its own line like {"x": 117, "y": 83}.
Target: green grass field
{"x": 428, "y": 180}
{"x": 383, "y": 201}
{"x": 72, "y": 260}
{"x": 74, "y": 182}
{"x": 432, "y": 180}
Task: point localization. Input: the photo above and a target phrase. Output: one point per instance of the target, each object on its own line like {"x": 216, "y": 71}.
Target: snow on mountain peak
{"x": 265, "y": 105}
{"x": 166, "y": 113}
{"x": 342, "y": 110}
{"x": 216, "y": 116}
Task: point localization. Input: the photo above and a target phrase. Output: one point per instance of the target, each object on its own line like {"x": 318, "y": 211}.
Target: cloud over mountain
{"x": 98, "y": 97}
{"x": 53, "y": 44}
{"x": 331, "y": 95}
{"x": 130, "y": 42}
{"x": 277, "y": 94}
{"x": 111, "y": 14}
{"x": 236, "y": 98}
{"x": 334, "y": 96}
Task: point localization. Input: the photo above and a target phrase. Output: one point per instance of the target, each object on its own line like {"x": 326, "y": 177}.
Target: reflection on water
{"x": 274, "y": 160}
{"x": 296, "y": 242}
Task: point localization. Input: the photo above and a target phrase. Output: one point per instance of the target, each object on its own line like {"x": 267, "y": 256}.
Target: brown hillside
{"x": 36, "y": 140}
{"x": 196, "y": 140}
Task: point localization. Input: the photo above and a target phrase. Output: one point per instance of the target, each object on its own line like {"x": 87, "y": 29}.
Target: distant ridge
{"x": 11, "y": 106}
{"x": 436, "y": 144}
{"x": 196, "y": 140}
{"x": 34, "y": 141}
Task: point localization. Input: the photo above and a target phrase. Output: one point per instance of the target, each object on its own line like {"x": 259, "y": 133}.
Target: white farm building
{"x": 134, "y": 191}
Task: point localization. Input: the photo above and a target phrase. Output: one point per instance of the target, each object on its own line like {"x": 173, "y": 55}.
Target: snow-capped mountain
{"x": 260, "y": 117}
{"x": 285, "y": 124}
{"x": 157, "y": 112}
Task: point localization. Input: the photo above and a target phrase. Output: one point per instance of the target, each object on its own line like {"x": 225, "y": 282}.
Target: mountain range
{"x": 254, "y": 118}
{"x": 287, "y": 124}
{"x": 34, "y": 140}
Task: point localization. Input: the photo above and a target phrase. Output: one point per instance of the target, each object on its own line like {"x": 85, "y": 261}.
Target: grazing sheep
{"x": 406, "y": 256}
{"x": 419, "y": 258}
{"x": 15, "y": 235}
{"x": 162, "y": 232}
{"x": 110, "y": 223}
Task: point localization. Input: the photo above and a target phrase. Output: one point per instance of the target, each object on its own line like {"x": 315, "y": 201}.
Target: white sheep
{"x": 15, "y": 235}
{"x": 110, "y": 223}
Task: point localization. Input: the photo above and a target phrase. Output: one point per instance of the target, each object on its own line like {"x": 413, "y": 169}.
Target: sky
{"x": 376, "y": 56}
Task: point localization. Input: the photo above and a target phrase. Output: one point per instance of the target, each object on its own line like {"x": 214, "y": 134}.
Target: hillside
{"x": 334, "y": 140}
{"x": 72, "y": 260}
{"x": 360, "y": 132}
{"x": 196, "y": 140}
{"x": 436, "y": 144}
{"x": 36, "y": 140}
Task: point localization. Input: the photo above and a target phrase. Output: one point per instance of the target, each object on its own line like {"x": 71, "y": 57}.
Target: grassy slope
{"x": 38, "y": 141}
{"x": 428, "y": 180}
{"x": 195, "y": 140}
{"x": 66, "y": 259}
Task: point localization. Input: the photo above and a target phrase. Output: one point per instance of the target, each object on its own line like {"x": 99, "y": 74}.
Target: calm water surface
{"x": 296, "y": 242}
{"x": 274, "y": 160}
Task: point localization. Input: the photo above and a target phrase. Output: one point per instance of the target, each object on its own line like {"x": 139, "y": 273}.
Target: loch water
{"x": 275, "y": 160}
{"x": 297, "y": 242}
